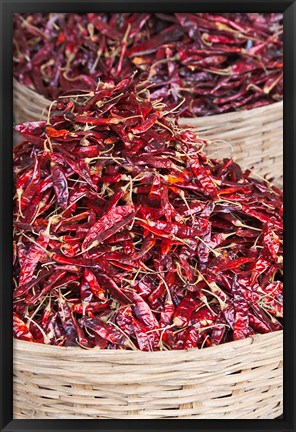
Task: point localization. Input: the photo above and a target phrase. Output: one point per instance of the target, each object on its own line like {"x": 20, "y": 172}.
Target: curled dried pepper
{"x": 20, "y": 330}
{"x": 108, "y": 225}
{"x": 60, "y": 185}
{"x": 31, "y": 260}
{"x": 183, "y": 311}
{"x": 104, "y": 330}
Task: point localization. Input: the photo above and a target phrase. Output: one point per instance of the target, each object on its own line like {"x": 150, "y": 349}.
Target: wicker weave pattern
{"x": 27, "y": 104}
{"x": 253, "y": 138}
{"x": 241, "y": 379}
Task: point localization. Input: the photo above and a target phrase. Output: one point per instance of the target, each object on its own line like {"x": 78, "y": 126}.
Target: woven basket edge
{"x": 24, "y": 346}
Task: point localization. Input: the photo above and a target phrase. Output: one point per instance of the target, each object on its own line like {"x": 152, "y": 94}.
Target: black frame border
{"x": 7, "y": 8}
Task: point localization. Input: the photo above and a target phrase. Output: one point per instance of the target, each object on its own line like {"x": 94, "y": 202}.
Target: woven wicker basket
{"x": 253, "y": 137}
{"x": 27, "y": 104}
{"x": 241, "y": 379}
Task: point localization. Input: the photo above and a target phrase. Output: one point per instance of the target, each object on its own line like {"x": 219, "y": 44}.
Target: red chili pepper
{"x": 94, "y": 286}
{"x": 166, "y": 36}
{"x": 22, "y": 181}
{"x": 169, "y": 230}
{"x": 135, "y": 329}
{"x": 192, "y": 338}
{"x": 263, "y": 217}
{"x": 271, "y": 322}
{"x": 142, "y": 310}
{"x": 241, "y": 322}
{"x": 34, "y": 254}
{"x": 147, "y": 124}
{"x": 54, "y": 330}
{"x": 111, "y": 286}
{"x": 119, "y": 237}
{"x": 59, "y": 259}
{"x": 86, "y": 294}
{"x": 81, "y": 169}
{"x": 260, "y": 266}
{"x": 91, "y": 308}
{"x": 36, "y": 207}
{"x": 52, "y": 280}
{"x": 60, "y": 185}
{"x": 258, "y": 325}
{"x": 32, "y": 186}
{"x": 104, "y": 330}
{"x": 108, "y": 225}
{"x": 71, "y": 220}
{"x": 30, "y": 128}
{"x": 54, "y": 133}
{"x": 90, "y": 151}
{"x": 271, "y": 243}
{"x": 103, "y": 27}
{"x": 71, "y": 249}
{"x": 167, "y": 314}
{"x": 21, "y": 253}
{"x": 22, "y": 290}
{"x": 73, "y": 333}
{"x": 219, "y": 331}
{"x": 233, "y": 264}
{"x": 204, "y": 178}
{"x": 183, "y": 311}
{"x": 146, "y": 342}
{"x": 20, "y": 330}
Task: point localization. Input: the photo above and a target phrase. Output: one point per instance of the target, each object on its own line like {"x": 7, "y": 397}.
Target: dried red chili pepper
{"x": 183, "y": 311}
{"x": 108, "y": 225}
{"x": 34, "y": 254}
{"x": 91, "y": 308}
{"x": 238, "y": 55}
{"x": 32, "y": 186}
{"x": 241, "y": 321}
{"x": 49, "y": 284}
{"x": 104, "y": 330}
{"x": 60, "y": 185}
{"x": 94, "y": 286}
{"x": 169, "y": 250}
{"x": 142, "y": 310}
{"x": 20, "y": 330}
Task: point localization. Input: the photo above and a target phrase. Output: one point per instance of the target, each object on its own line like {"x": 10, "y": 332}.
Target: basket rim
{"x": 34, "y": 347}
{"x": 223, "y": 116}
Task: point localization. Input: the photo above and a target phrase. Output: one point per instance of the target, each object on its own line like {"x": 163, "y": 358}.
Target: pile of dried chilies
{"x": 126, "y": 236}
{"x": 208, "y": 63}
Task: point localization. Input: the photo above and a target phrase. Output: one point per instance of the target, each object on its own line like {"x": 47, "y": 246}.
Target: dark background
{"x": 287, "y": 423}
